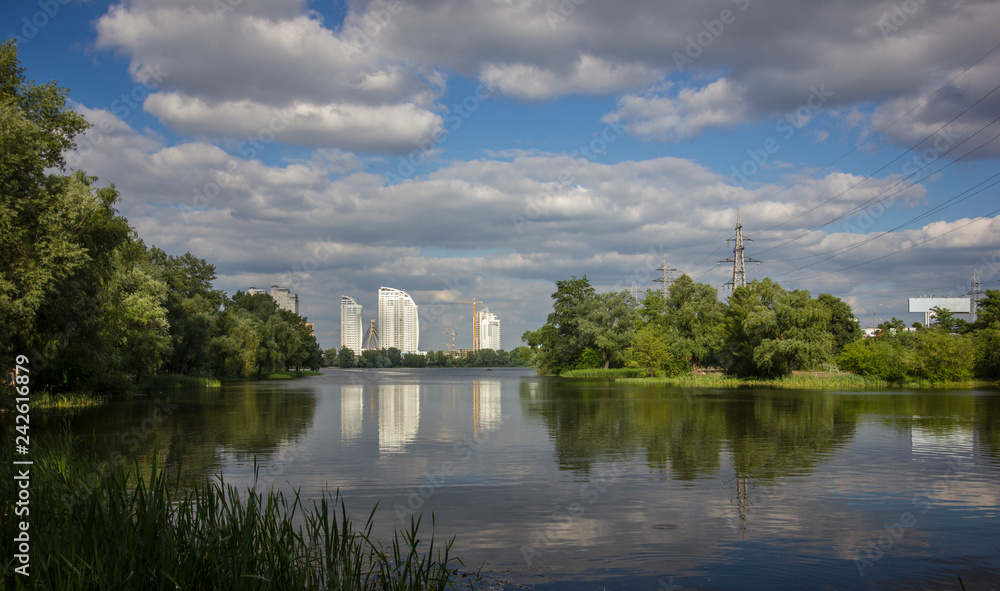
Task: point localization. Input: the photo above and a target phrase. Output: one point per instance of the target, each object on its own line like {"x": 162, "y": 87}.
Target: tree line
{"x": 84, "y": 297}
{"x": 761, "y": 330}
{"x": 393, "y": 357}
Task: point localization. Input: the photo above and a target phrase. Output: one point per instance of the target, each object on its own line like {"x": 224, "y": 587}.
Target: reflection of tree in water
{"x": 987, "y": 427}
{"x": 245, "y": 419}
{"x": 768, "y": 433}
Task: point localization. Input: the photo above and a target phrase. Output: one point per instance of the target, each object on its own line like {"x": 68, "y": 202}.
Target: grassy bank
{"x": 287, "y": 375}
{"x": 804, "y": 380}
{"x": 126, "y": 529}
{"x": 171, "y": 380}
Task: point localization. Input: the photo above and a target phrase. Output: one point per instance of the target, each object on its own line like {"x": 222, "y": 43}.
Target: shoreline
{"x": 799, "y": 381}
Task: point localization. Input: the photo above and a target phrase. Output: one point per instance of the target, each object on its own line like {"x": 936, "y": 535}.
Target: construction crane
{"x": 452, "y": 333}
{"x": 475, "y": 324}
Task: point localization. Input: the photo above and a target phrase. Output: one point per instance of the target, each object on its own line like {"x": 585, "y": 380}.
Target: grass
{"x": 287, "y": 375}
{"x": 171, "y": 380}
{"x": 124, "y": 528}
{"x": 70, "y": 401}
{"x": 800, "y": 380}
{"x": 621, "y": 372}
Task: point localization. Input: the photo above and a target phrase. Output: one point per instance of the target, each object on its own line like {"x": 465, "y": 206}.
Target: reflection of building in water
{"x": 486, "y": 405}
{"x": 352, "y": 406}
{"x": 398, "y": 416}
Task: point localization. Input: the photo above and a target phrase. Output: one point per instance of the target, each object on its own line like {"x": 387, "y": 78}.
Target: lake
{"x": 588, "y": 484}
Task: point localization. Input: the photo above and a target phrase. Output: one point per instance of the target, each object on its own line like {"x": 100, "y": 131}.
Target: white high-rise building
{"x": 351, "y": 326}
{"x": 489, "y": 330}
{"x": 285, "y": 299}
{"x": 398, "y": 323}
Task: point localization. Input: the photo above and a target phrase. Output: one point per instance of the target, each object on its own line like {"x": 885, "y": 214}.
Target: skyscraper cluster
{"x": 398, "y": 322}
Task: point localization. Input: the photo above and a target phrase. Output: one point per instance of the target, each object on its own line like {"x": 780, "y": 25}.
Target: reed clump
{"x": 121, "y": 527}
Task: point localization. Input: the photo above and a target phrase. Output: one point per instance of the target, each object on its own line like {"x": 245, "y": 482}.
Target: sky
{"x": 473, "y": 149}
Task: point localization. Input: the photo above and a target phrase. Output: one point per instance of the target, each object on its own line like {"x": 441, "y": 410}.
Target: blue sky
{"x": 485, "y": 150}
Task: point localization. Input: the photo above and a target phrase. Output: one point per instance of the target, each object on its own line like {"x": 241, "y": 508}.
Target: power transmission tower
{"x": 739, "y": 260}
{"x": 634, "y": 290}
{"x": 976, "y": 293}
{"x": 666, "y": 275}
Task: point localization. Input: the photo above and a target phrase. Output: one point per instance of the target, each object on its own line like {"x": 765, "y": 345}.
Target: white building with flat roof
{"x": 351, "y": 324}
{"x": 489, "y": 330}
{"x": 398, "y": 322}
{"x": 285, "y": 299}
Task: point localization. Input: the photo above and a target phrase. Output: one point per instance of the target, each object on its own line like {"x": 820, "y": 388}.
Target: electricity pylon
{"x": 666, "y": 275}
{"x": 739, "y": 260}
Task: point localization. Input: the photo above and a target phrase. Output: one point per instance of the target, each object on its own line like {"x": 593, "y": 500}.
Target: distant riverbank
{"x": 799, "y": 380}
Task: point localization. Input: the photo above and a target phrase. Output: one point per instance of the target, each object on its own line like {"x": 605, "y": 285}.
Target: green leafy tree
{"x": 135, "y": 322}
{"x": 414, "y": 360}
{"x": 345, "y": 358}
{"x": 610, "y": 325}
{"x": 771, "y": 331}
{"x": 234, "y": 350}
{"x": 58, "y": 238}
{"x": 843, "y": 326}
{"x": 193, "y": 306}
{"x": 695, "y": 320}
{"x": 649, "y": 350}
{"x": 987, "y": 363}
{"x": 330, "y": 357}
{"x": 560, "y": 342}
{"x": 988, "y": 310}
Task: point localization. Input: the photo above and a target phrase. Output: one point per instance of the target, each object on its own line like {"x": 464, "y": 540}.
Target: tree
{"x": 330, "y": 357}
{"x": 695, "y": 319}
{"x": 771, "y": 331}
{"x": 43, "y": 106}
{"x": 890, "y": 327}
{"x": 135, "y": 322}
{"x": 610, "y": 324}
{"x": 648, "y": 350}
{"x": 945, "y": 320}
{"x": 345, "y": 358}
{"x": 561, "y": 340}
{"x": 192, "y": 309}
{"x": 842, "y": 324}
{"x": 414, "y": 360}
{"x": 988, "y": 310}
{"x": 58, "y": 237}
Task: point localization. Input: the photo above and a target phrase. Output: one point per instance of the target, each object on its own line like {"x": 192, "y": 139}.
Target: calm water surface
{"x": 561, "y": 484}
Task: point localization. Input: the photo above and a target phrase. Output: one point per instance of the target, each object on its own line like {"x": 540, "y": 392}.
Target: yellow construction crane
{"x": 475, "y": 325}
